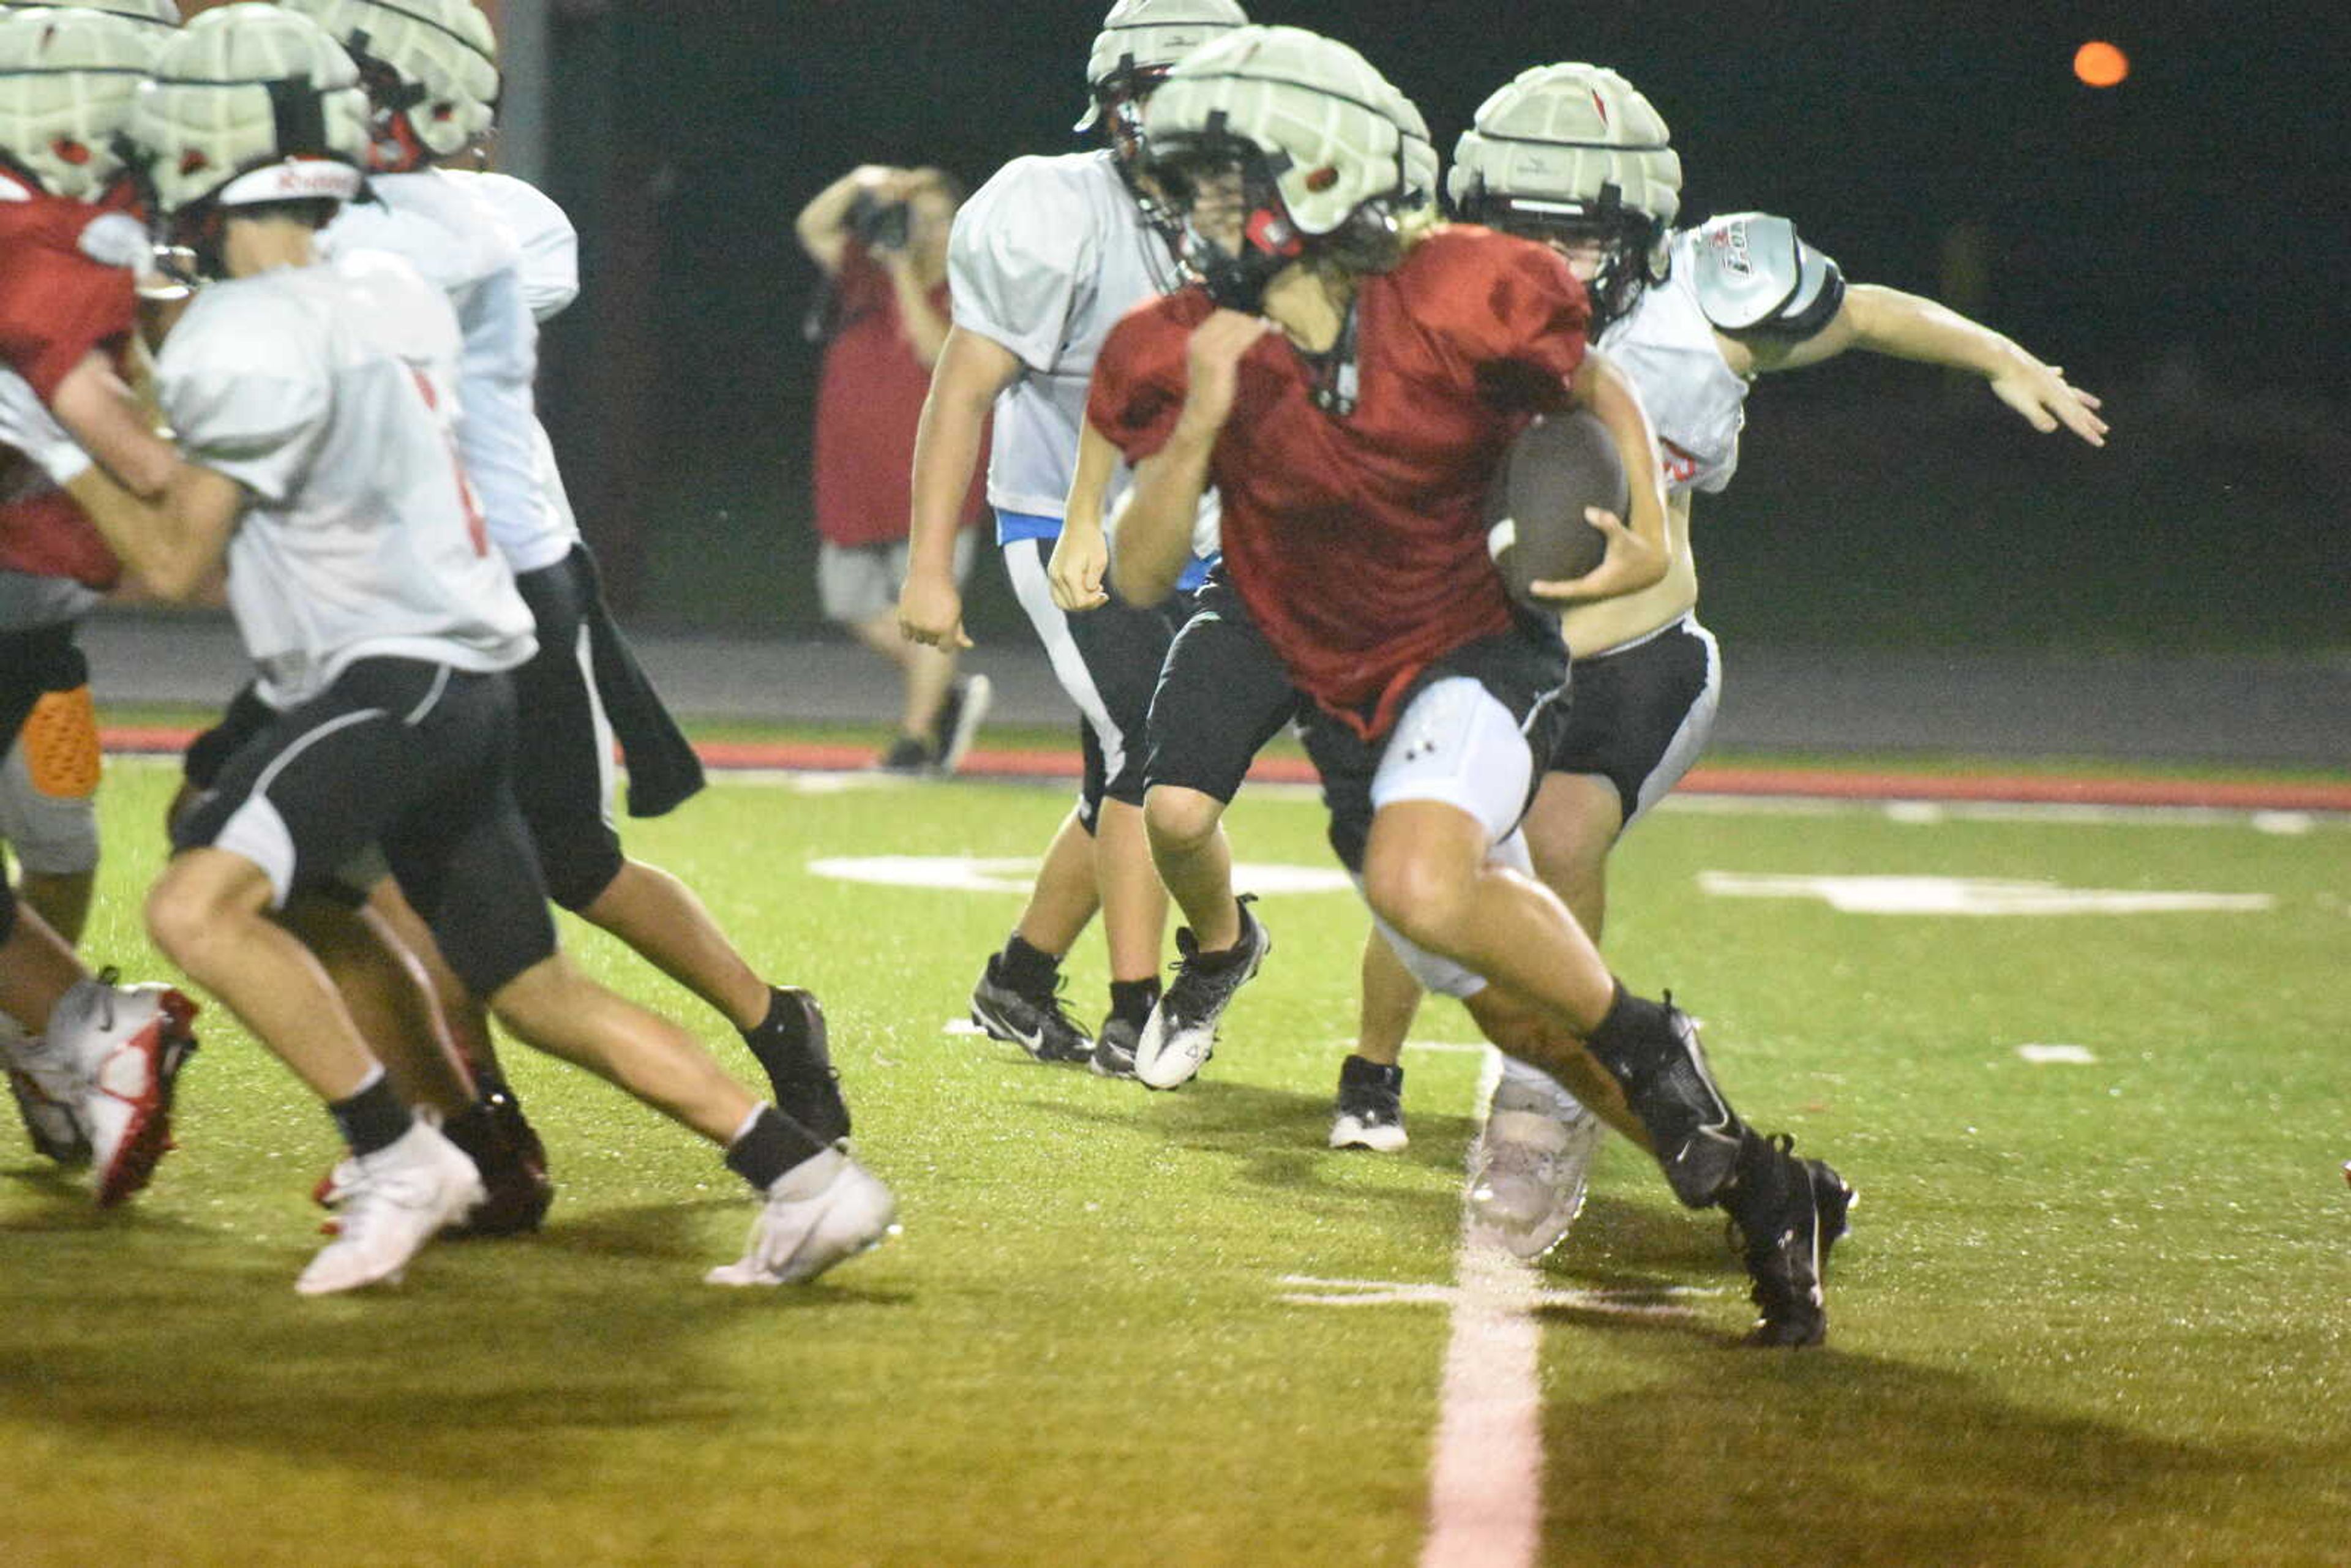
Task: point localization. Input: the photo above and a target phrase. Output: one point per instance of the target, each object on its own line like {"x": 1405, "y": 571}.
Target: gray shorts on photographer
{"x": 857, "y": 582}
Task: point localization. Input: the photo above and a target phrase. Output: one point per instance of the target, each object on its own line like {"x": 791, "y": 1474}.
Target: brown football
{"x": 1534, "y": 508}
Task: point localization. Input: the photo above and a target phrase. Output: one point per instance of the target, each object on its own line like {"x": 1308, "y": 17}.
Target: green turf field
{"x": 2091, "y": 1313}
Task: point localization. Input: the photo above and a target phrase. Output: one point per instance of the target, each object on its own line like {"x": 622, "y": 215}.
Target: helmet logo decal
{"x": 1322, "y": 178}
{"x": 1600, "y": 108}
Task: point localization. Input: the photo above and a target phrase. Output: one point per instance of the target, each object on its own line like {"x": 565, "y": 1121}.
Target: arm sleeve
{"x": 249, "y": 397}
{"x": 1514, "y": 315}
{"x": 1139, "y": 382}
{"x": 1013, "y": 271}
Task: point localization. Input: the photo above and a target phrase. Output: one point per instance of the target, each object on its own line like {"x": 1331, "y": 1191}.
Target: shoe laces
{"x": 1189, "y": 945}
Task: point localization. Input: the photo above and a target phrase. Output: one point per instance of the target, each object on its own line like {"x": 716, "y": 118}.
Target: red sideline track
{"x": 1819, "y": 783}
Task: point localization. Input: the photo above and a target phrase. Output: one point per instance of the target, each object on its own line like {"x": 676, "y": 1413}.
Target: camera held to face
{"x": 879, "y": 224}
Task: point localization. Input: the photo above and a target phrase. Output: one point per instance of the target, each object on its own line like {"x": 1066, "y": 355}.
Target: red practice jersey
{"x": 1357, "y": 539}
{"x": 66, "y": 287}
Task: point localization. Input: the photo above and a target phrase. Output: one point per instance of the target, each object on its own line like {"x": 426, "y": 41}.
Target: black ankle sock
{"x": 777, "y": 1005}
{"x": 772, "y": 1144}
{"x": 1131, "y": 1001}
{"x": 371, "y": 1119}
{"x": 1024, "y": 967}
{"x": 1363, "y": 1068}
{"x": 1631, "y": 1033}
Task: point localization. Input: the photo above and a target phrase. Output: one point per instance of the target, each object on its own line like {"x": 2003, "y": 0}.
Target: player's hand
{"x": 1212, "y": 363}
{"x": 2046, "y": 400}
{"x": 930, "y": 611}
{"x": 1081, "y": 558}
{"x": 1631, "y": 564}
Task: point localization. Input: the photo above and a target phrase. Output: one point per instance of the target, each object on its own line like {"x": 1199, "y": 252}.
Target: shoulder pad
{"x": 1755, "y": 276}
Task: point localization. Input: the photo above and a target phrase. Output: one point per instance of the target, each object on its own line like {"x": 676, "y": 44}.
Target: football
{"x": 1534, "y": 507}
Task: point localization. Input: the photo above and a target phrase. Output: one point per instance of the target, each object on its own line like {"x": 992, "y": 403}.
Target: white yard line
{"x": 1485, "y": 1482}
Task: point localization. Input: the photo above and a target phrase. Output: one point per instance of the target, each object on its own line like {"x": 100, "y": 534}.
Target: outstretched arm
{"x": 1907, "y": 327}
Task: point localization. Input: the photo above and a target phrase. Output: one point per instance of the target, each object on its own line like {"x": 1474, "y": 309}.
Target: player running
{"x": 1574, "y": 157}
{"x": 1041, "y": 261}
{"x": 311, "y": 406}
{"x": 1348, "y": 384}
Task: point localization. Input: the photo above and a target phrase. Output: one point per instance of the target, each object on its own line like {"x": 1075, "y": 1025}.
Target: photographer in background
{"x": 881, "y": 236}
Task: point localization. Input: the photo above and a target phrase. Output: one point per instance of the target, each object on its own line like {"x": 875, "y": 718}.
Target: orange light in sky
{"x": 2099, "y": 64}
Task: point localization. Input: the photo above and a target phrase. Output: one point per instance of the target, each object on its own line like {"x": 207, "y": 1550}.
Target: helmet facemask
{"x": 1628, "y": 241}
{"x": 1237, "y": 233}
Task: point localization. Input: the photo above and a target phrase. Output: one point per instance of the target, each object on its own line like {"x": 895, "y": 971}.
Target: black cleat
{"x": 1369, "y": 1112}
{"x": 1775, "y": 1220}
{"x": 1038, "y": 1024}
{"x": 1833, "y": 1197}
{"x": 1114, "y": 1042}
{"x": 505, "y": 1149}
{"x": 791, "y": 1046}
{"x": 1182, "y": 1033}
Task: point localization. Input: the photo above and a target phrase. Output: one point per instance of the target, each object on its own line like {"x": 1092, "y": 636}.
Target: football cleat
{"x": 47, "y": 1092}
{"x": 1834, "y": 1198}
{"x": 791, "y": 1046}
{"x": 1534, "y": 1168}
{"x": 1775, "y": 1224}
{"x": 824, "y": 1211}
{"x": 960, "y": 716}
{"x": 1114, "y": 1048}
{"x": 1181, "y": 1032}
{"x": 1369, "y": 1114}
{"x": 512, "y": 1162}
{"x": 125, "y": 1046}
{"x": 1668, "y": 1085}
{"x": 1038, "y": 1024}
{"x": 391, "y": 1203}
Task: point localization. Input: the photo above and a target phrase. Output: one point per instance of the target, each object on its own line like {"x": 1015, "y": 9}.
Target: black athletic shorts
{"x": 1222, "y": 694}
{"x": 33, "y": 664}
{"x": 1524, "y": 668}
{"x": 563, "y": 742}
{"x": 1643, "y": 714}
{"x": 1108, "y": 660}
{"x": 409, "y": 758}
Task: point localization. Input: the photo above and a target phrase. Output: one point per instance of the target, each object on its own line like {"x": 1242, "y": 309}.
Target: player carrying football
{"x": 1573, "y": 157}
{"x": 1348, "y": 387}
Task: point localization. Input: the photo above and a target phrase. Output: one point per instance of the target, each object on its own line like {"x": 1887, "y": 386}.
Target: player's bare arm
{"x": 1082, "y": 555}
{"x": 174, "y": 536}
{"x": 1154, "y": 528}
{"x": 1641, "y": 547}
{"x": 1905, "y": 326}
{"x": 972, "y": 368}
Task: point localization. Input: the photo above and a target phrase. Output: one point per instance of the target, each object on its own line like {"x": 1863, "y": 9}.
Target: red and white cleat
{"x": 128, "y": 1043}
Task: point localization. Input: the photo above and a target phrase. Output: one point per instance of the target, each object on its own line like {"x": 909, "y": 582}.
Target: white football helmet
{"x": 1574, "y": 150}
{"x": 1307, "y": 124}
{"x": 157, "y": 13}
{"x": 431, "y": 68}
{"x": 1140, "y": 39}
{"x": 249, "y": 103}
{"x": 1419, "y": 152}
{"x": 67, "y": 78}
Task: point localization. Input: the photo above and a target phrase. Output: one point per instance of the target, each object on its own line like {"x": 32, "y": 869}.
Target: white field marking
{"x": 2284, "y": 824}
{"x": 1970, "y": 895}
{"x": 1648, "y": 1301}
{"x": 1016, "y": 874}
{"x": 1485, "y": 1480}
{"x": 2047, "y": 1055}
{"x": 2041, "y": 811}
{"x": 961, "y": 1026}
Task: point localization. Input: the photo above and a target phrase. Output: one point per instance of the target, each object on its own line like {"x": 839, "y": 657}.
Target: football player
{"x": 1573, "y": 156}
{"x": 1222, "y": 694}
{"x": 1042, "y": 260}
{"x": 315, "y": 451}
{"x": 1348, "y": 382}
{"x": 91, "y": 1065}
{"x": 431, "y": 71}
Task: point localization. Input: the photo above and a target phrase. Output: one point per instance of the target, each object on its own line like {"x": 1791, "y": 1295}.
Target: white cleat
{"x": 1181, "y": 1034}
{"x": 391, "y": 1203}
{"x": 126, "y": 1045}
{"x": 47, "y": 1090}
{"x": 1532, "y": 1171}
{"x": 825, "y": 1211}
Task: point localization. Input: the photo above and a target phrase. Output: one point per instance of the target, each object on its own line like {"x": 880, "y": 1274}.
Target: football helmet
{"x": 248, "y": 103}
{"x": 1140, "y": 39}
{"x": 1575, "y": 152}
{"x": 1419, "y": 152}
{"x": 430, "y": 68}
{"x": 67, "y": 78}
{"x": 158, "y": 13}
{"x": 1308, "y": 126}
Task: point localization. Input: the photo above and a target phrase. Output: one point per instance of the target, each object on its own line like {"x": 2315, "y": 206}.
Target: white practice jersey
{"x": 549, "y": 249}
{"x": 1697, "y": 403}
{"x": 448, "y": 229}
{"x": 327, "y": 392}
{"x": 1045, "y": 259}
